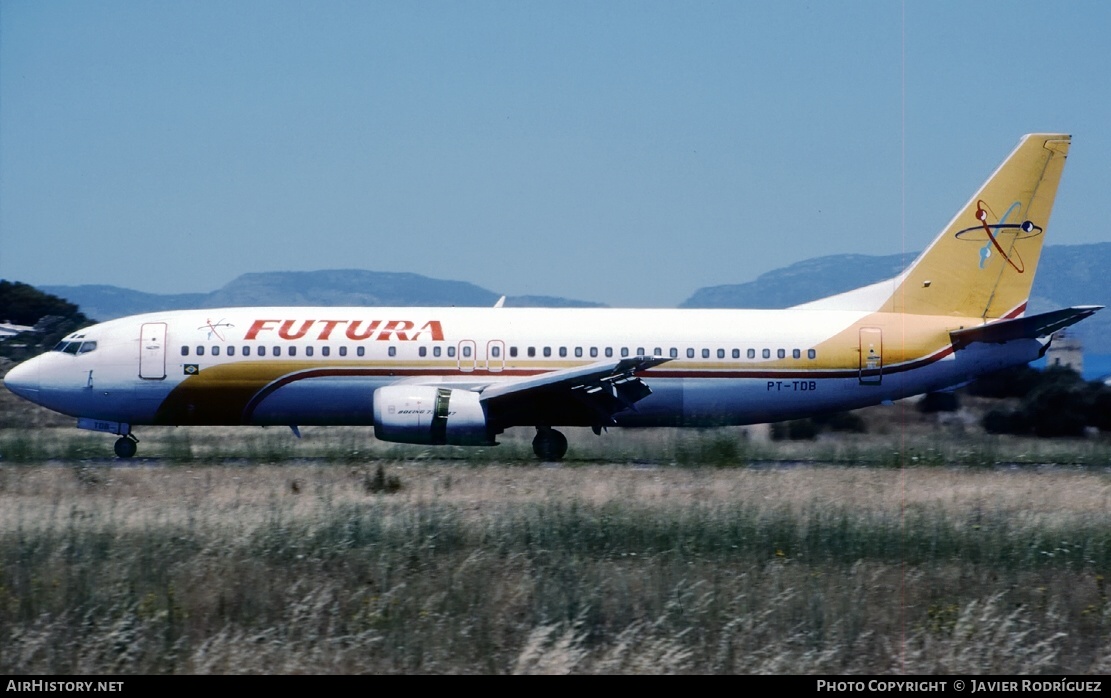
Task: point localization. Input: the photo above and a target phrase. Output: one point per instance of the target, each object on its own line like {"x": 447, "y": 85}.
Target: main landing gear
{"x": 549, "y": 444}
{"x": 126, "y": 446}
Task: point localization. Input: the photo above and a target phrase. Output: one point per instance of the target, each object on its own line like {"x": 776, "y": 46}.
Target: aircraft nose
{"x": 23, "y": 380}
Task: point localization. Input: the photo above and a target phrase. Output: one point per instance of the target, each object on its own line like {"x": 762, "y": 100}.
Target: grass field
{"x": 923, "y": 546}
{"x": 606, "y": 568}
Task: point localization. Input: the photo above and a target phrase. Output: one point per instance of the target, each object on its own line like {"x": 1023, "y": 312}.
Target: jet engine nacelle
{"x": 420, "y": 414}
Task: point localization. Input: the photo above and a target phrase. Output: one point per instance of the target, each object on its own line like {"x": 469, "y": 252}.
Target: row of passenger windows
{"x": 466, "y": 351}
{"x": 673, "y": 353}
{"x": 261, "y": 350}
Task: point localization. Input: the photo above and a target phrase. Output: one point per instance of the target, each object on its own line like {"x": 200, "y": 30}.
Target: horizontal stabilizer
{"x": 1031, "y": 327}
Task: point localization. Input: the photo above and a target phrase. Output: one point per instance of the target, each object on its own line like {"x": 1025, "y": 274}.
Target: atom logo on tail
{"x": 993, "y": 231}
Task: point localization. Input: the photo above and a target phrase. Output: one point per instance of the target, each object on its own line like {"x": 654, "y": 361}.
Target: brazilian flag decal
{"x": 192, "y": 369}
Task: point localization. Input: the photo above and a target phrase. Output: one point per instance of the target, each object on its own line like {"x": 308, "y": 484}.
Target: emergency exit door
{"x": 152, "y": 351}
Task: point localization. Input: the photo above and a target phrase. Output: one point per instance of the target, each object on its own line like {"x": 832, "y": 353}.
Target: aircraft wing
{"x": 603, "y": 389}
{"x": 1030, "y": 327}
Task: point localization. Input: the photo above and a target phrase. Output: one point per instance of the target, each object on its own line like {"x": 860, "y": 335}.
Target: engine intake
{"x": 421, "y": 414}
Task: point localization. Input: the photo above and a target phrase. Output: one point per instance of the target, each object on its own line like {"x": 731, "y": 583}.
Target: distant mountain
{"x": 548, "y": 302}
{"x": 1067, "y": 275}
{"x": 324, "y": 288}
{"x": 1077, "y": 275}
{"x": 109, "y": 302}
{"x": 801, "y": 282}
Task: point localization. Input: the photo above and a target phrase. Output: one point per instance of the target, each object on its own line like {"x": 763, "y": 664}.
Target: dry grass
{"x": 244, "y": 550}
{"x": 246, "y": 494}
{"x": 495, "y": 568}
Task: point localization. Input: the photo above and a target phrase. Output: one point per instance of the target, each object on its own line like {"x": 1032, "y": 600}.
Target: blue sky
{"x": 623, "y": 152}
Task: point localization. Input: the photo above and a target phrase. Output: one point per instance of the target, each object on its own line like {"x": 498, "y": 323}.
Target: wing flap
{"x": 578, "y": 377}
{"x": 604, "y": 388}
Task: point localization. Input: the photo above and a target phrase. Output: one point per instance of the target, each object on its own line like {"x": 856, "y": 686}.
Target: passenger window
{"x": 200, "y": 350}
{"x": 657, "y": 352}
{"x": 495, "y": 351}
{"x": 215, "y": 350}
{"x": 705, "y": 353}
{"x": 393, "y": 351}
{"x": 547, "y": 351}
{"x": 231, "y": 350}
{"x": 767, "y": 353}
{"x": 277, "y": 351}
{"x": 578, "y": 351}
{"x": 246, "y": 351}
{"x": 624, "y": 352}
{"x": 736, "y": 353}
{"x": 435, "y": 351}
{"x": 451, "y": 352}
{"x": 531, "y": 352}
{"x": 293, "y": 351}
{"x": 308, "y": 351}
{"x": 563, "y": 351}
{"x": 609, "y": 352}
{"x": 343, "y": 351}
{"x": 184, "y": 350}
{"x": 811, "y": 353}
{"x": 751, "y": 354}
{"x": 781, "y": 353}
{"x": 690, "y": 353}
{"x": 674, "y": 352}
{"x": 593, "y": 352}
{"x": 796, "y": 354}
{"x": 512, "y": 352}
{"x": 361, "y": 351}
{"x": 721, "y": 353}
{"x": 327, "y": 350}
{"x": 422, "y": 352}
{"x": 262, "y": 351}
{"x": 466, "y": 352}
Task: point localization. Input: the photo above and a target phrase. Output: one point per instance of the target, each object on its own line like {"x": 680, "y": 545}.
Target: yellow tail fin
{"x": 983, "y": 264}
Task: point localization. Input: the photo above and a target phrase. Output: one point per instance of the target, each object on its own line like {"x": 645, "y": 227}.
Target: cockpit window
{"x": 75, "y": 347}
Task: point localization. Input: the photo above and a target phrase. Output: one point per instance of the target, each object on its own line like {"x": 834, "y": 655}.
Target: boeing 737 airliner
{"x": 464, "y": 375}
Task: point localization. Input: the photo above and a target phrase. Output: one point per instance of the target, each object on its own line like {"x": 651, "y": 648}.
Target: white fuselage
{"x": 321, "y": 366}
